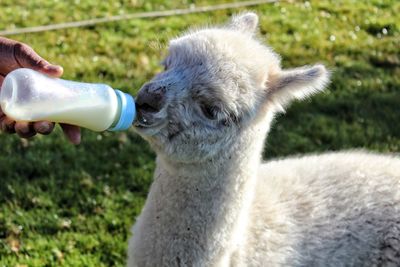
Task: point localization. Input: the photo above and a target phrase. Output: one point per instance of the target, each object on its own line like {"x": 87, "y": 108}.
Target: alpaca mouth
{"x": 144, "y": 120}
{"x": 147, "y": 118}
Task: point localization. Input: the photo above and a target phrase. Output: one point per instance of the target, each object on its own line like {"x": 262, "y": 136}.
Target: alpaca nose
{"x": 151, "y": 97}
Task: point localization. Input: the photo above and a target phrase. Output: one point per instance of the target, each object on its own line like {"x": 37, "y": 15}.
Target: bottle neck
{"x": 126, "y": 112}
{"x": 118, "y": 113}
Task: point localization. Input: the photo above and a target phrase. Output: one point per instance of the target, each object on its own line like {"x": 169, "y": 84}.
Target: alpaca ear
{"x": 246, "y": 22}
{"x": 298, "y": 83}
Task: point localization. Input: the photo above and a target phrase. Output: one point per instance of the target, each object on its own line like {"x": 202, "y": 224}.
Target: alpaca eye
{"x": 209, "y": 111}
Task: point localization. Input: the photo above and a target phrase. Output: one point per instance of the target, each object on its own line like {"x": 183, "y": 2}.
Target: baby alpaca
{"x": 213, "y": 203}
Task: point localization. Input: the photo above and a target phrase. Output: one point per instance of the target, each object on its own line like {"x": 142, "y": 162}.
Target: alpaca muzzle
{"x": 149, "y": 102}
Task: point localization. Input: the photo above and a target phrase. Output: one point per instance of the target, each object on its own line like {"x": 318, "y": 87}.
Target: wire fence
{"x": 139, "y": 15}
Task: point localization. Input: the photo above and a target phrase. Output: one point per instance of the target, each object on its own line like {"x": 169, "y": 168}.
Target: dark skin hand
{"x": 14, "y": 55}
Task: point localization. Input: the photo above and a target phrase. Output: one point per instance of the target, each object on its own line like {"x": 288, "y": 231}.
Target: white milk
{"x": 27, "y": 95}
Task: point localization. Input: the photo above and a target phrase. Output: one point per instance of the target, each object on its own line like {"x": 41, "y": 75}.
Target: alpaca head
{"x": 217, "y": 84}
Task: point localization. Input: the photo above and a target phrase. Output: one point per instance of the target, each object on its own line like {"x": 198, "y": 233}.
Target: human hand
{"x": 14, "y": 55}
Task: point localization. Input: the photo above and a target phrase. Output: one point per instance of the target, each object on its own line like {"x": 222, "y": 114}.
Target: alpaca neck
{"x": 198, "y": 212}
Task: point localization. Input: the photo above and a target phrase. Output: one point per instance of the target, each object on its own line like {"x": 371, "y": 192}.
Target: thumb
{"x": 72, "y": 132}
{"x": 26, "y": 57}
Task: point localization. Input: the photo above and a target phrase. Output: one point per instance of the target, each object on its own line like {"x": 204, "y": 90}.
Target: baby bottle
{"x": 27, "y": 95}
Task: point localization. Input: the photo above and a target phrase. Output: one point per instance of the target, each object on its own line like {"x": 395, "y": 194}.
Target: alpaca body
{"x": 338, "y": 209}
{"x": 300, "y": 215}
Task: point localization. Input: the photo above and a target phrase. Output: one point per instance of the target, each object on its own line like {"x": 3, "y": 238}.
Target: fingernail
{"x": 43, "y": 128}
{"x": 54, "y": 68}
{"x": 24, "y": 130}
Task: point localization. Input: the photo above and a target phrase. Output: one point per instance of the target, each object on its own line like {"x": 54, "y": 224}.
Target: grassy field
{"x": 62, "y": 205}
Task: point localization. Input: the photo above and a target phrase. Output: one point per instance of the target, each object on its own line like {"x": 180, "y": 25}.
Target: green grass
{"x": 62, "y": 205}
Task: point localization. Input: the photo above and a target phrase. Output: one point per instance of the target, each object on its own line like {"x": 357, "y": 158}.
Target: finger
{"x": 24, "y": 129}
{"x": 1, "y": 113}
{"x": 8, "y": 62}
{"x": 1, "y": 82}
{"x": 28, "y": 58}
{"x": 72, "y": 132}
{"x": 7, "y": 125}
{"x": 43, "y": 127}
{"x": 53, "y": 70}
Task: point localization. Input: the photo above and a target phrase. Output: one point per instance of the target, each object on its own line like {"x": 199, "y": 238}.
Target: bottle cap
{"x": 128, "y": 112}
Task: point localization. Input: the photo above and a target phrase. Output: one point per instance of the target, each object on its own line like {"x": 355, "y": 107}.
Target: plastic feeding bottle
{"x": 27, "y": 95}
